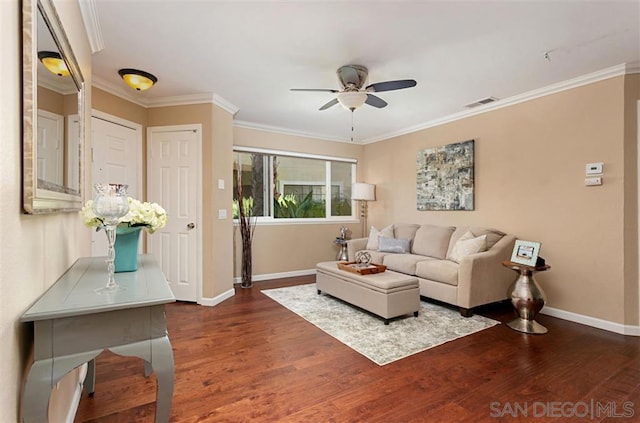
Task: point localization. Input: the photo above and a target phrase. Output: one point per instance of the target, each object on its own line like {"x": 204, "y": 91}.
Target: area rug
{"x": 367, "y": 334}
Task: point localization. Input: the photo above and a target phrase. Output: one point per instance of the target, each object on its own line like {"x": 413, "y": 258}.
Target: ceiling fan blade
{"x": 322, "y": 90}
{"x": 391, "y": 85}
{"x": 374, "y": 101}
{"x": 329, "y": 104}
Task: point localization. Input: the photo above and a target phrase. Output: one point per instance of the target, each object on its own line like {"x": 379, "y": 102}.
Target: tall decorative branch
{"x": 247, "y": 227}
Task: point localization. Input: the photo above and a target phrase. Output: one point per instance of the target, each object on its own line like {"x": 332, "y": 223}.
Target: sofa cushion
{"x": 466, "y": 245}
{"x": 493, "y": 235}
{"x": 374, "y": 233}
{"x": 403, "y": 263}
{"x": 393, "y": 245}
{"x": 432, "y": 241}
{"x": 405, "y": 230}
{"x": 444, "y": 271}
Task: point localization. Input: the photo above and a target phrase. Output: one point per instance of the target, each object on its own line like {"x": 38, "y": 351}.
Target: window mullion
{"x": 270, "y": 190}
{"x": 327, "y": 189}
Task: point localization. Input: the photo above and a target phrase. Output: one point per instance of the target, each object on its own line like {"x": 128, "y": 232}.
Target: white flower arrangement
{"x": 150, "y": 216}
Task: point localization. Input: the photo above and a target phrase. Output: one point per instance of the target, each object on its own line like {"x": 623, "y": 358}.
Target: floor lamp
{"x": 363, "y": 193}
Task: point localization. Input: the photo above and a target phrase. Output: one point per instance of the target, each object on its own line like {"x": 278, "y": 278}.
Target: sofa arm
{"x": 355, "y": 245}
{"x": 482, "y": 279}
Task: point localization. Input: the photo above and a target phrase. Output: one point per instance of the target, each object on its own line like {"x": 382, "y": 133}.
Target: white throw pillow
{"x": 372, "y": 243}
{"x": 467, "y": 244}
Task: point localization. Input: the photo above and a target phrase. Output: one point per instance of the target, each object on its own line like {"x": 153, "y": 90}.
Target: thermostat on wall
{"x": 594, "y": 168}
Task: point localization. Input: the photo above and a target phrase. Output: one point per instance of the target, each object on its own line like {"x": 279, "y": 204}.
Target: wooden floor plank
{"x": 250, "y": 359}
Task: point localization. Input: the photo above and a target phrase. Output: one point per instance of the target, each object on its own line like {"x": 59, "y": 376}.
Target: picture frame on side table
{"x": 525, "y": 252}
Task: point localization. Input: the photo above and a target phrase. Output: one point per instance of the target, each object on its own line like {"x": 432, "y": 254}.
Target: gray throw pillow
{"x": 393, "y": 245}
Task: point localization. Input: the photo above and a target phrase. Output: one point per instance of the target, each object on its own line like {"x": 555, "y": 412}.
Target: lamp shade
{"x": 137, "y": 79}
{"x": 53, "y": 62}
{"x": 351, "y": 100}
{"x": 362, "y": 191}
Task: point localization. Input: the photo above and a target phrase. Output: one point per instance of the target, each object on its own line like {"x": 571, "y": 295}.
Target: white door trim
{"x": 197, "y": 128}
{"x": 138, "y": 147}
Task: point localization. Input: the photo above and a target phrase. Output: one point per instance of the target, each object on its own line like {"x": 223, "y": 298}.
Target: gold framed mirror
{"x": 53, "y": 107}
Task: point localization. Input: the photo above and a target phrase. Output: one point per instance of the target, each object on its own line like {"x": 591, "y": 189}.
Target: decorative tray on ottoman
{"x": 361, "y": 268}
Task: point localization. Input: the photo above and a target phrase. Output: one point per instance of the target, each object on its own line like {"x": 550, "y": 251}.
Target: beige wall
{"x": 50, "y": 101}
{"x": 216, "y": 149}
{"x": 631, "y": 142}
{"x": 35, "y": 250}
{"x": 119, "y": 107}
{"x": 195, "y": 114}
{"x": 529, "y": 180}
{"x": 221, "y": 277}
{"x": 281, "y": 248}
{"x": 217, "y": 139}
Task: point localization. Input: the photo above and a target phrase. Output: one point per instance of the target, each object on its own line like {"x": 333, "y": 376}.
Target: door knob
{"x": 191, "y": 225}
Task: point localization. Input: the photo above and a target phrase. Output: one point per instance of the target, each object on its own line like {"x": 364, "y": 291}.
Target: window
{"x": 280, "y": 185}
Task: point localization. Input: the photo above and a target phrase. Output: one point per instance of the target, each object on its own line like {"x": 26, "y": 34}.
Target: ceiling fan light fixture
{"x": 351, "y": 100}
{"x": 137, "y": 79}
{"x": 53, "y": 62}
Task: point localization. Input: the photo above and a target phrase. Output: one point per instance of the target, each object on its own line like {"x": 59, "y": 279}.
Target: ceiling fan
{"x": 352, "y": 78}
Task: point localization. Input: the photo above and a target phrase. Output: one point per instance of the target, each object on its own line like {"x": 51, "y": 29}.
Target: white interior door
{"x": 73, "y": 152}
{"x": 174, "y": 181}
{"x": 50, "y": 133}
{"x": 117, "y": 158}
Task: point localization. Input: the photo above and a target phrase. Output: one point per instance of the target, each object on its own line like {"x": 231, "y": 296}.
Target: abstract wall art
{"x": 445, "y": 177}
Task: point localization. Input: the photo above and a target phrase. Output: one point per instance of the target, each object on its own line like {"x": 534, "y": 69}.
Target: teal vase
{"x": 126, "y": 248}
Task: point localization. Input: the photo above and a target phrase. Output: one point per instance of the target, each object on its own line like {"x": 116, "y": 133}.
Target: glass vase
{"x": 110, "y": 203}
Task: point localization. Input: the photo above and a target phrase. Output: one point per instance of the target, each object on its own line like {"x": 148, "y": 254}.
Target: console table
{"x": 73, "y": 324}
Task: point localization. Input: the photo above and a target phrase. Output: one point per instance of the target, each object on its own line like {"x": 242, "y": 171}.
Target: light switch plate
{"x": 594, "y": 169}
{"x": 594, "y": 181}
{"x": 220, "y": 183}
{"x": 222, "y": 214}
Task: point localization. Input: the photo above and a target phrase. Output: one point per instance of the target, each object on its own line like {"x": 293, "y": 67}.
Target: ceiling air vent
{"x": 481, "y": 102}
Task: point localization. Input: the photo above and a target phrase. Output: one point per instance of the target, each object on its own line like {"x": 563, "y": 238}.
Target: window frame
{"x": 328, "y": 219}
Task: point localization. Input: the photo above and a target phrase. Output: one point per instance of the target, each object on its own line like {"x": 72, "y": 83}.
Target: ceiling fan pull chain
{"x": 352, "y": 124}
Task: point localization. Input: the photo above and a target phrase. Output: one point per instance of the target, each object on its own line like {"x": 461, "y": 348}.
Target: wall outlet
{"x": 220, "y": 183}
{"x": 222, "y": 214}
{"x": 590, "y": 182}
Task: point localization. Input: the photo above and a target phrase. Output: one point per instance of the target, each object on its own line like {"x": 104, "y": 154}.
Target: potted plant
{"x": 141, "y": 215}
{"x": 243, "y": 211}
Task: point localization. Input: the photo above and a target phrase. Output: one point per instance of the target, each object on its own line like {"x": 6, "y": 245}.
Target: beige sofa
{"x": 445, "y": 261}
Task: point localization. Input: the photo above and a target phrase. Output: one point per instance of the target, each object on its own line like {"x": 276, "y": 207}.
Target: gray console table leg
{"x": 158, "y": 352}
{"x": 162, "y": 363}
{"x": 42, "y": 376}
{"x": 90, "y": 380}
{"x": 147, "y": 369}
{"x": 35, "y": 403}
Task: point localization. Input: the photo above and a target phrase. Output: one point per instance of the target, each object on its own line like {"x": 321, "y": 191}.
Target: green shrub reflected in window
{"x": 289, "y": 187}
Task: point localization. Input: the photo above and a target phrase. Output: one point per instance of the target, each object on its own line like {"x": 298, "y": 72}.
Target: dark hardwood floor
{"x": 250, "y": 359}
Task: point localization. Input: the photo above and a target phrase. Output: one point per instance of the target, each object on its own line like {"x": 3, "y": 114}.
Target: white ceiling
{"x": 252, "y": 52}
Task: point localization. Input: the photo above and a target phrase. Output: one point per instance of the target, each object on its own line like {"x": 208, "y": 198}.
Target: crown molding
{"x": 92, "y": 24}
{"x": 117, "y": 90}
{"x": 590, "y": 78}
{"x": 285, "y": 131}
{"x": 632, "y": 67}
{"x": 120, "y": 91}
{"x": 225, "y": 104}
{"x": 46, "y": 83}
{"x": 179, "y": 100}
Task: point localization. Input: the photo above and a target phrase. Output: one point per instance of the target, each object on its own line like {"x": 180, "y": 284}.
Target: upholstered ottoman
{"x": 387, "y": 294}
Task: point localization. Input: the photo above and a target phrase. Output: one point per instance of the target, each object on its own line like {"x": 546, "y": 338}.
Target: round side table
{"x": 527, "y": 298}
{"x": 343, "y": 252}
